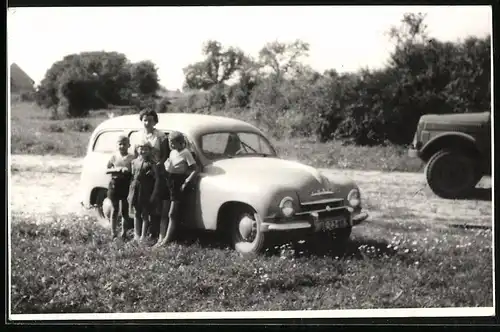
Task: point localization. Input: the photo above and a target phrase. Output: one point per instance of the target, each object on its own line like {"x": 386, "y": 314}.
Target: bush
{"x": 163, "y": 105}
{"x": 28, "y": 96}
{"x": 80, "y": 126}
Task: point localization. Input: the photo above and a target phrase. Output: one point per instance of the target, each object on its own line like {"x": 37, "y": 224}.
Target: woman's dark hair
{"x": 148, "y": 112}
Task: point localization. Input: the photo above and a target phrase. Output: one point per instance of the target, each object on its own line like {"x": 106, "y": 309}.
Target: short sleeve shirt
{"x": 179, "y": 161}
{"x": 117, "y": 160}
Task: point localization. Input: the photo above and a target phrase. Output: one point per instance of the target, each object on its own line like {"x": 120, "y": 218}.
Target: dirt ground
{"x": 43, "y": 186}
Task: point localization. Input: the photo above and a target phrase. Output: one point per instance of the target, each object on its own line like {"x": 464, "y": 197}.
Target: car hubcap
{"x": 247, "y": 228}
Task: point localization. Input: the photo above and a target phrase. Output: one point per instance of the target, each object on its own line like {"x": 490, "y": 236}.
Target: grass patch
{"x": 70, "y": 265}
{"x": 34, "y": 132}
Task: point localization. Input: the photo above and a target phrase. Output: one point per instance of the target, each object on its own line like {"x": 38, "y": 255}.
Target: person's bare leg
{"x": 125, "y": 218}
{"x": 146, "y": 215}
{"x": 138, "y": 224}
{"x": 115, "y": 205}
{"x": 173, "y": 216}
{"x": 164, "y": 221}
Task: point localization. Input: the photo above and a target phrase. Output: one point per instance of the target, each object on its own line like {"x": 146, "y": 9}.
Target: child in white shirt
{"x": 181, "y": 169}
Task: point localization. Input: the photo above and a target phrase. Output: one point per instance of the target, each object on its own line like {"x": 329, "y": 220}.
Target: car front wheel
{"x": 246, "y": 234}
{"x": 451, "y": 174}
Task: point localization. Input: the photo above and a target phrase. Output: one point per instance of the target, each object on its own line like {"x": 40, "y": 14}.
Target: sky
{"x": 344, "y": 38}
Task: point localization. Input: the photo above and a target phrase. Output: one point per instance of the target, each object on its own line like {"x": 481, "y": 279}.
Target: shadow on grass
{"x": 354, "y": 248}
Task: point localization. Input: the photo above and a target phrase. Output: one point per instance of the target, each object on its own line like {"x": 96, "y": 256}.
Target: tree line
{"x": 367, "y": 107}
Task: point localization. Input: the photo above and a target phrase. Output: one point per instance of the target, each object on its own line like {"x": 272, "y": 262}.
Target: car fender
{"x": 214, "y": 193}
{"x": 431, "y": 146}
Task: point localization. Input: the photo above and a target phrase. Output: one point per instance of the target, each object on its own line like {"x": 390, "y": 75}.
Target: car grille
{"x": 321, "y": 206}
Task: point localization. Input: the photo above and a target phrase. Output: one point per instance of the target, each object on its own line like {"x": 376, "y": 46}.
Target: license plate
{"x": 333, "y": 224}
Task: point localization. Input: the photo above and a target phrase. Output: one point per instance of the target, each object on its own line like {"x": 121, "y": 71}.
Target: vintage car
{"x": 243, "y": 189}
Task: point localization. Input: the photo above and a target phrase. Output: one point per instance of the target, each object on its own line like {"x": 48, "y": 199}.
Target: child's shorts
{"x": 118, "y": 188}
{"x": 175, "y": 182}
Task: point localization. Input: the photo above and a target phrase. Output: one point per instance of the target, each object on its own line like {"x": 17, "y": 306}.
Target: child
{"x": 181, "y": 167}
{"x": 143, "y": 189}
{"x": 119, "y": 166}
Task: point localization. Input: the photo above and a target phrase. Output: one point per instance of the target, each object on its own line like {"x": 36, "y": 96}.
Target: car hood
{"x": 286, "y": 175}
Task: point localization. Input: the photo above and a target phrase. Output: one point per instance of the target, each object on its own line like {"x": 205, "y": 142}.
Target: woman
{"x": 160, "y": 151}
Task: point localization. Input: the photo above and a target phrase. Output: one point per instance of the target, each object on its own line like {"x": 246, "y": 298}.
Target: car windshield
{"x": 223, "y": 145}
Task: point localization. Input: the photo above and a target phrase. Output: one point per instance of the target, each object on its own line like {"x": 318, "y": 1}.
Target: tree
{"x": 144, "y": 77}
{"x": 240, "y": 93}
{"x": 280, "y": 57}
{"x": 93, "y": 80}
{"x": 411, "y": 30}
{"x": 219, "y": 66}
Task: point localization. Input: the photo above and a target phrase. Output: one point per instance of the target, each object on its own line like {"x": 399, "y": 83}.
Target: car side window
{"x": 106, "y": 141}
{"x": 134, "y": 138}
{"x": 214, "y": 144}
{"x": 255, "y": 142}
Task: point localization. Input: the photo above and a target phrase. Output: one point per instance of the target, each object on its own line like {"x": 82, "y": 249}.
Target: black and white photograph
{"x": 241, "y": 162}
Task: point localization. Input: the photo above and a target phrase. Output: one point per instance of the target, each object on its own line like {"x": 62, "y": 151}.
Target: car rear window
{"x": 106, "y": 142}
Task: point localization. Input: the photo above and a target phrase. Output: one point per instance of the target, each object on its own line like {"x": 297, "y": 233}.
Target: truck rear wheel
{"x": 451, "y": 174}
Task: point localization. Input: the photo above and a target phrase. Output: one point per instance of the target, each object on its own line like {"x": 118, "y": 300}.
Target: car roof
{"x": 190, "y": 124}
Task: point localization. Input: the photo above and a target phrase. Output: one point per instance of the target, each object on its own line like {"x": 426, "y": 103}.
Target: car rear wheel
{"x": 102, "y": 206}
{"x": 246, "y": 234}
{"x": 103, "y": 210}
{"x": 451, "y": 174}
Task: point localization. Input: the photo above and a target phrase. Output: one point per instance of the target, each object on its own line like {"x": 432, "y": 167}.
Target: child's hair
{"x": 148, "y": 112}
{"x": 144, "y": 143}
{"x": 123, "y": 139}
{"x": 176, "y": 136}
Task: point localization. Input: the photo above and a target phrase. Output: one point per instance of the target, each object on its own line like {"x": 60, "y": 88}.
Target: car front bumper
{"x": 311, "y": 223}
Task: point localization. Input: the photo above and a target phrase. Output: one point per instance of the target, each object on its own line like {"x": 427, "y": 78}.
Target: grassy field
{"x": 70, "y": 266}
{"x": 34, "y": 132}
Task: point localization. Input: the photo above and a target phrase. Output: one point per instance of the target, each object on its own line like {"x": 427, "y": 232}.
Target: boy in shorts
{"x": 181, "y": 169}
{"x": 119, "y": 166}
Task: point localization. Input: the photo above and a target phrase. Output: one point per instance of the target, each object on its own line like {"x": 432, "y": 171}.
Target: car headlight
{"x": 286, "y": 207}
{"x": 354, "y": 198}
